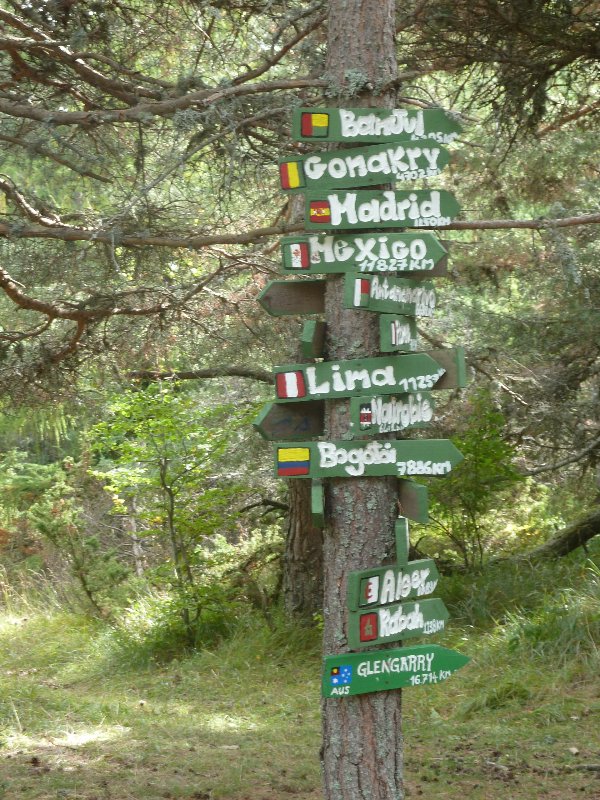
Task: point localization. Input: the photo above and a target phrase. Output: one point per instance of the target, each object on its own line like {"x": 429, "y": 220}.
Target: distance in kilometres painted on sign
{"x": 374, "y": 125}
{"x": 360, "y": 673}
{"x": 421, "y": 208}
{"x": 353, "y": 459}
{"x": 362, "y": 166}
{"x": 375, "y": 252}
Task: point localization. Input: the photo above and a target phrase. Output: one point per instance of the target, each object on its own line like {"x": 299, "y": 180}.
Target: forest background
{"x": 140, "y": 218}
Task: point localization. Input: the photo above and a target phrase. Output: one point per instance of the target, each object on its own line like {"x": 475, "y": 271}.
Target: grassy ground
{"x": 520, "y": 722}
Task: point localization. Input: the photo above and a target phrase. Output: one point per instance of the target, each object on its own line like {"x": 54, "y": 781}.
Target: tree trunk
{"x": 362, "y": 746}
{"x": 570, "y": 538}
{"x": 303, "y": 562}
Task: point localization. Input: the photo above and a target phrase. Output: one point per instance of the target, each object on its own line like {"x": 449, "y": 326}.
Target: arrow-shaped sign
{"x": 352, "y": 459}
{"x": 397, "y": 333}
{"x": 280, "y": 298}
{"x": 390, "y": 413}
{"x": 389, "y": 294}
{"x": 290, "y": 421}
{"x": 373, "y": 125}
{"x": 397, "y": 622}
{"x": 359, "y": 673}
{"x": 422, "y": 208}
{"x": 364, "y": 252}
{"x": 362, "y": 166}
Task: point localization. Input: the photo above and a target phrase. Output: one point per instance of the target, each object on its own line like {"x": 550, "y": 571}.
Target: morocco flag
{"x": 316, "y": 125}
{"x": 291, "y": 175}
{"x": 368, "y": 627}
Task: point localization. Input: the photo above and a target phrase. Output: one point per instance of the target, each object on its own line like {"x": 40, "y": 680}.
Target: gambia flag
{"x": 314, "y": 124}
{"x": 320, "y": 212}
{"x": 291, "y": 175}
{"x": 290, "y": 384}
{"x": 362, "y": 291}
{"x": 293, "y": 461}
{"x": 367, "y": 627}
{"x": 297, "y": 255}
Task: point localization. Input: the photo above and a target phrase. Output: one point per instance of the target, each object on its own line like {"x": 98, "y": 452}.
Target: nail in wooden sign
{"x": 373, "y": 125}
{"x": 351, "y": 459}
{"x": 360, "y": 673}
{"x": 290, "y": 421}
{"x": 375, "y": 414}
{"x": 421, "y": 208}
{"x": 396, "y": 622}
{"x": 329, "y": 379}
{"x": 362, "y": 166}
{"x": 397, "y": 333}
{"x": 389, "y": 294}
{"x": 363, "y": 252}
{"x": 280, "y": 298}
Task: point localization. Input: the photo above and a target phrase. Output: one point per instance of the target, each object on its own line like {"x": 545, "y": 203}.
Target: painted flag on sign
{"x": 290, "y": 384}
{"x": 320, "y": 212}
{"x": 362, "y": 291}
{"x": 314, "y": 124}
{"x": 293, "y": 461}
{"x": 366, "y": 415}
{"x": 370, "y": 590}
{"x": 298, "y": 255}
{"x": 291, "y": 175}
{"x": 341, "y": 676}
{"x": 368, "y": 627}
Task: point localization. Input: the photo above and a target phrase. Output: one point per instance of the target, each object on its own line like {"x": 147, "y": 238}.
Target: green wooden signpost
{"x": 389, "y": 374}
{"x": 389, "y": 294}
{"x": 373, "y": 125}
{"x": 421, "y": 208}
{"x": 396, "y": 622}
{"x": 317, "y": 503}
{"x": 359, "y": 673}
{"x": 351, "y": 459}
{"x": 386, "y": 585}
{"x": 413, "y": 500}
{"x": 397, "y": 333}
{"x": 392, "y": 413}
{"x": 312, "y": 339}
{"x": 364, "y": 252}
{"x": 281, "y": 298}
{"x": 290, "y": 421}
{"x": 362, "y": 166}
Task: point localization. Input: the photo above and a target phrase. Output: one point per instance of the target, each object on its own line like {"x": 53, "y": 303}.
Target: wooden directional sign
{"x": 397, "y": 333}
{"x": 375, "y": 414}
{"x": 389, "y": 294}
{"x": 362, "y": 166}
{"x": 280, "y": 298}
{"x": 421, "y": 208}
{"x": 290, "y": 421}
{"x": 413, "y": 500}
{"x": 352, "y": 459}
{"x": 317, "y": 503}
{"x": 359, "y": 673}
{"x": 313, "y": 338}
{"x": 373, "y": 125}
{"x": 402, "y": 537}
{"x": 384, "y": 586}
{"x": 397, "y": 622}
{"x": 385, "y": 375}
{"x": 364, "y": 252}
{"x": 452, "y": 360}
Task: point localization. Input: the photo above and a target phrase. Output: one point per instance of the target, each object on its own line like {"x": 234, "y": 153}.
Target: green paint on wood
{"x": 312, "y": 339}
{"x": 421, "y": 208}
{"x": 373, "y": 125}
{"x": 452, "y": 360}
{"x": 385, "y": 375}
{"x": 317, "y": 503}
{"x": 360, "y": 673}
{"x": 280, "y": 298}
{"x": 397, "y": 333}
{"x": 402, "y": 538}
{"x": 372, "y": 253}
{"x": 375, "y": 414}
{"x": 413, "y": 501}
{"x": 386, "y": 585}
{"x": 396, "y": 622}
{"x": 389, "y": 294}
{"x": 344, "y": 459}
{"x": 290, "y": 421}
{"x": 362, "y": 166}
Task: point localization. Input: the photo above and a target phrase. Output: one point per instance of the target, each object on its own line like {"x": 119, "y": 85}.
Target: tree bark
{"x": 303, "y": 561}
{"x": 362, "y": 746}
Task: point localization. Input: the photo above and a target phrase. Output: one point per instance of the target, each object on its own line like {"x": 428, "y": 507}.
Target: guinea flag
{"x": 291, "y": 175}
{"x": 320, "y": 212}
{"x": 290, "y": 384}
{"x": 293, "y": 461}
{"x": 362, "y": 291}
{"x": 314, "y": 124}
{"x": 297, "y": 255}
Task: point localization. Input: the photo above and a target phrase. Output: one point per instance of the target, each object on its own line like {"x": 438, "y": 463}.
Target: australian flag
{"x": 341, "y": 676}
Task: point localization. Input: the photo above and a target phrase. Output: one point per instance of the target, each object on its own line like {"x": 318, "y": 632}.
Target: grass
{"x": 242, "y": 721}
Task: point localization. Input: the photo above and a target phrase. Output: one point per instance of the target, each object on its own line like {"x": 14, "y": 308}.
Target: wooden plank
{"x": 362, "y": 166}
{"x": 290, "y": 421}
{"x": 397, "y": 333}
{"x": 413, "y": 500}
{"x": 391, "y": 374}
{"x": 397, "y": 622}
{"x": 381, "y": 670}
{"x": 452, "y": 359}
{"x": 364, "y": 208}
{"x": 350, "y": 459}
{"x": 312, "y": 340}
{"x": 376, "y": 414}
{"x": 401, "y": 535}
{"x": 280, "y": 298}
{"x": 367, "y": 252}
{"x": 389, "y": 295}
{"x": 317, "y": 503}
{"x": 386, "y": 585}
{"x": 374, "y": 125}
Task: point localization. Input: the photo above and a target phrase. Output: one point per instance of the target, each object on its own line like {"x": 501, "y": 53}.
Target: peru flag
{"x": 290, "y": 384}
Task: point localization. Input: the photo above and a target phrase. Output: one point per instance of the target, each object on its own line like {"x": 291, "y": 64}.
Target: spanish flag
{"x": 320, "y": 212}
{"x": 291, "y": 175}
{"x": 293, "y": 461}
{"x": 314, "y": 125}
